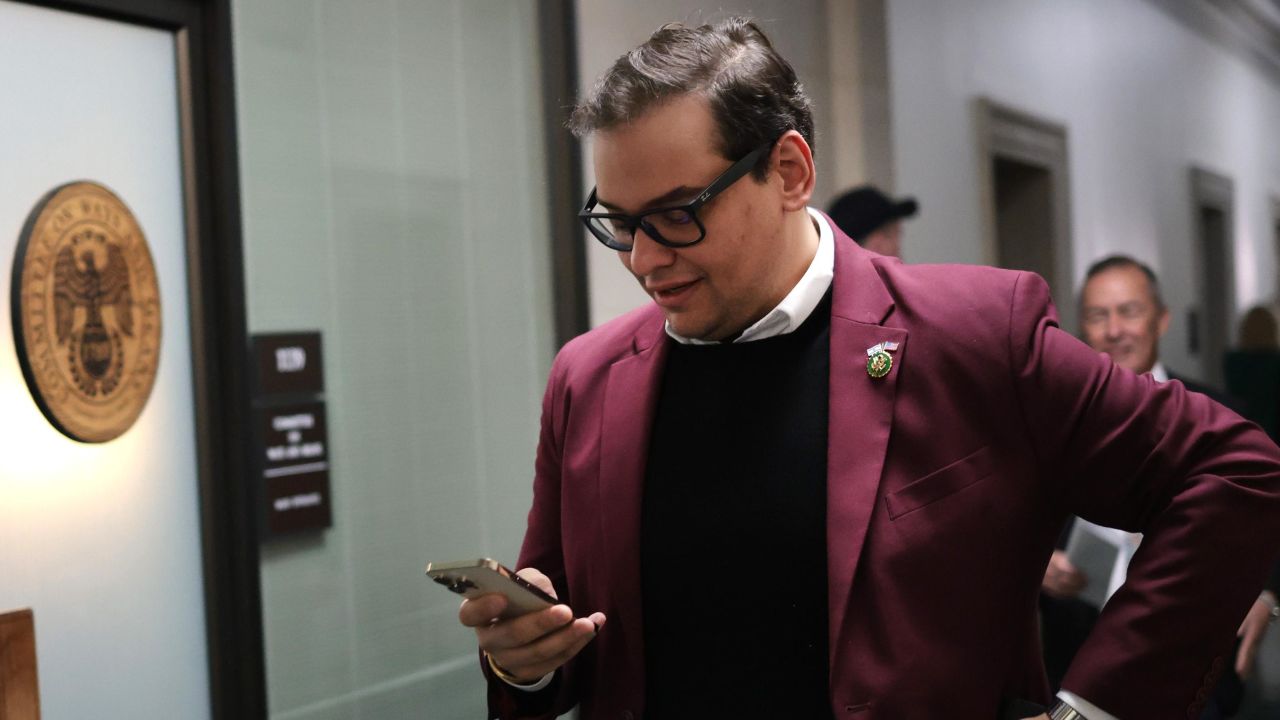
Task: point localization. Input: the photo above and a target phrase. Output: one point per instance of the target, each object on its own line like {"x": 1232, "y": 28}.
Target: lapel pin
{"x": 879, "y": 361}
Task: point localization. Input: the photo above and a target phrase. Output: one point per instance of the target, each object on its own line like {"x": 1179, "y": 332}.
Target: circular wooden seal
{"x": 86, "y": 311}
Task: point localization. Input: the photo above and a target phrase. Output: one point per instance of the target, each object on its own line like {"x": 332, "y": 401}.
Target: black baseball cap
{"x": 862, "y": 210}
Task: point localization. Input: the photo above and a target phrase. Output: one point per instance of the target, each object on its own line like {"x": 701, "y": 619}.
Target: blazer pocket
{"x": 939, "y": 484}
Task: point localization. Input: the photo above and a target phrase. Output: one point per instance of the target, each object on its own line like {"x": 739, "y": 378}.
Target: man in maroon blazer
{"x": 812, "y": 482}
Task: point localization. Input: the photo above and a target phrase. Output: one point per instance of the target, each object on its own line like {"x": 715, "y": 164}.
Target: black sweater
{"x": 733, "y": 535}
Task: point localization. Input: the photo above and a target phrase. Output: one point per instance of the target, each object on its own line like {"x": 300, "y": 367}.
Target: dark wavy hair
{"x": 753, "y": 91}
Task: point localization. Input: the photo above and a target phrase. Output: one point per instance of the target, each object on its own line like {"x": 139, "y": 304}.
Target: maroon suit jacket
{"x": 947, "y": 483}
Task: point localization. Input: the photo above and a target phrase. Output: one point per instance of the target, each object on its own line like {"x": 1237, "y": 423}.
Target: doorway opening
{"x": 1028, "y": 205}
{"x": 1210, "y": 318}
{"x": 1024, "y": 216}
{"x": 1275, "y": 233}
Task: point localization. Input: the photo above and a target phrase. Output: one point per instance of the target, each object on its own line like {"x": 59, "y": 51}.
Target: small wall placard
{"x": 292, "y": 441}
{"x": 296, "y": 467}
{"x": 289, "y": 364}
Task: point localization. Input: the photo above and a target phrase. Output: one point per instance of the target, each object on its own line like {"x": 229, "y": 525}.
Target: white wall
{"x": 608, "y": 28}
{"x": 1142, "y": 98}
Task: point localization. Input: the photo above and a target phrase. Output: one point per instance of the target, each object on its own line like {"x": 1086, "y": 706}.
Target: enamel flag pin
{"x": 879, "y": 361}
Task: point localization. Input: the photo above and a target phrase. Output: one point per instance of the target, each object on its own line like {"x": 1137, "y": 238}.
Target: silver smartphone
{"x": 473, "y": 578}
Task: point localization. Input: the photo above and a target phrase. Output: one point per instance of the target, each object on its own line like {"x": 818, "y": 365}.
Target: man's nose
{"x": 1114, "y": 326}
{"x": 648, "y": 254}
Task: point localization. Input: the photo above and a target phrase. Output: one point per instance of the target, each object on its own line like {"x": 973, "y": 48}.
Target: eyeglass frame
{"x": 736, "y": 172}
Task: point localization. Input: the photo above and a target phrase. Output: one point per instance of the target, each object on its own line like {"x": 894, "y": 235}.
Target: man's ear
{"x": 793, "y": 162}
{"x": 1162, "y": 323}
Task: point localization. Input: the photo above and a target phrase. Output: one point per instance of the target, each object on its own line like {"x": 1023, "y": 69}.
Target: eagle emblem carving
{"x": 81, "y": 291}
{"x": 86, "y": 311}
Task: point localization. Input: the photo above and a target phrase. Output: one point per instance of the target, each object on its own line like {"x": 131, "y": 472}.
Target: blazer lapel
{"x": 630, "y": 402}
{"x": 860, "y": 417}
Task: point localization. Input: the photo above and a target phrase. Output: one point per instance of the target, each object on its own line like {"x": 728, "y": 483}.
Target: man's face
{"x": 1119, "y": 316}
{"x": 885, "y": 240}
{"x": 714, "y": 289}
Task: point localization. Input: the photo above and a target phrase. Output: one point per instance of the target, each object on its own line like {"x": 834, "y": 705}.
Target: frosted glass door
{"x": 102, "y": 541}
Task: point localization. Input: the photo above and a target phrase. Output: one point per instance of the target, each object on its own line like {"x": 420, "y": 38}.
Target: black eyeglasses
{"x": 674, "y": 226}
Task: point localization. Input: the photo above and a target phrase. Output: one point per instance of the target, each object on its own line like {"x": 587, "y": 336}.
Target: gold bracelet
{"x": 503, "y": 673}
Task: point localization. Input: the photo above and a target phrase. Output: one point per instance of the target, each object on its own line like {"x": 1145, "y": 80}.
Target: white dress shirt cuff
{"x": 535, "y": 687}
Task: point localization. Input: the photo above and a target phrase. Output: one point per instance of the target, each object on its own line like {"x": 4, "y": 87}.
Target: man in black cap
{"x": 874, "y": 220}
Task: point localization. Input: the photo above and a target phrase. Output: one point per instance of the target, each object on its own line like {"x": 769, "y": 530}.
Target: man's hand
{"x": 1061, "y": 578}
{"x": 1041, "y": 716}
{"x": 532, "y": 645}
{"x": 1251, "y": 631}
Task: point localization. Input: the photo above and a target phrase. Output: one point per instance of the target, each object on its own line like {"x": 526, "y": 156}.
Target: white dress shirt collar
{"x": 796, "y": 307}
{"x": 1159, "y": 373}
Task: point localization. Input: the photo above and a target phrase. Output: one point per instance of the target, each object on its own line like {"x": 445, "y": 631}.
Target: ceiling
{"x": 1249, "y": 28}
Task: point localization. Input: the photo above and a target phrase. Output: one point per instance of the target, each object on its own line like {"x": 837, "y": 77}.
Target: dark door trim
{"x": 219, "y": 346}
{"x": 557, "y": 33}
{"x": 1273, "y": 231}
{"x": 1212, "y": 191}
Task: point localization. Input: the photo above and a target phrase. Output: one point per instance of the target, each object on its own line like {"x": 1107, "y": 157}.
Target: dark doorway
{"x": 1027, "y": 199}
{"x": 1212, "y": 251}
{"x": 1275, "y": 233}
{"x": 1024, "y": 216}
{"x": 1213, "y": 272}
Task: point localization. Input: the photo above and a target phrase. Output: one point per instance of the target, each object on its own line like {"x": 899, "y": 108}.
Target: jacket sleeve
{"x": 542, "y": 550}
{"x": 1200, "y": 483}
